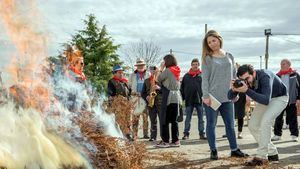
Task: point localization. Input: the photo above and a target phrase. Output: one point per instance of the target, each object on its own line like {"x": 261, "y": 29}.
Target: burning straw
{"x": 111, "y": 152}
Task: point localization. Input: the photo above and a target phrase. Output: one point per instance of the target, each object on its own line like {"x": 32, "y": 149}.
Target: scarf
{"x": 194, "y": 73}
{"x": 284, "y": 72}
{"x": 78, "y": 72}
{"x": 176, "y": 71}
{"x": 117, "y": 79}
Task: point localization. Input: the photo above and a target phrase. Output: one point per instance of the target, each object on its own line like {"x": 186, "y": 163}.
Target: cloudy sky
{"x": 179, "y": 25}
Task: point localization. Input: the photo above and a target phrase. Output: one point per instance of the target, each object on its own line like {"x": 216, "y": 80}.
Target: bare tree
{"x": 147, "y": 50}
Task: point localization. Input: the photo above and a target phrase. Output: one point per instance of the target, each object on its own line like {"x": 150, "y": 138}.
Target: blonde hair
{"x": 206, "y": 51}
{"x": 72, "y": 53}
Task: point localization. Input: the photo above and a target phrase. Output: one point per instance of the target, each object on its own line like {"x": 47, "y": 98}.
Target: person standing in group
{"x": 291, "y": 79}
{"x": 152, "y": 95}
{"x": 136, "y": 83}
{"x": 118, "y": 85}
{"x": 169, "y": 79}
{"x": 218, "y": 70}
{"x": 271, "y": 96}
{"x": 191, "y": 92}
{"x": 239, "y": 110}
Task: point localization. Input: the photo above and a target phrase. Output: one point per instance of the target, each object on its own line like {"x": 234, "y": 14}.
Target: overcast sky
{"x": 178, "y": 24}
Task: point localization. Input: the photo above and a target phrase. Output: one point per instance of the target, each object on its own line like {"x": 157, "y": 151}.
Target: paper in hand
{"x": 215, "y": 104}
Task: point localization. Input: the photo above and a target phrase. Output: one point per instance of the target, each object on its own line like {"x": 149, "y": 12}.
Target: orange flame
{"x": 26, "y": 68}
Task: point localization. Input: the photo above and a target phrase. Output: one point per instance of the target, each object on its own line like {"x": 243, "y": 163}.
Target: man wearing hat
{"x": 136, "y": 82}
{"x": 117, "y": 85}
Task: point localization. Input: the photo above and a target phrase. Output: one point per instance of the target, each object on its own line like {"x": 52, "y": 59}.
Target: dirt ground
{"x": 194, "y": 153}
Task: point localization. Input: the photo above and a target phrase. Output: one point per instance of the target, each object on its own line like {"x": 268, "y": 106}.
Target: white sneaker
{"x": 294, "y": 138}
{"x": 276, "y": 138}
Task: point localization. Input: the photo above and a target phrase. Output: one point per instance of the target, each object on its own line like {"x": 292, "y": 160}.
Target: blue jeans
{"x": 227, "y": 113}
{"x": 188, "y": 118}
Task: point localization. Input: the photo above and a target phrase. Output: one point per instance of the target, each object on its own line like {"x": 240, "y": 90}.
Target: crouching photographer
{"x": 270, "y": 93}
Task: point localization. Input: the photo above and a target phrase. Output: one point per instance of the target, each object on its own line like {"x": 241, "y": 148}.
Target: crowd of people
{"x": 221, "y": 87}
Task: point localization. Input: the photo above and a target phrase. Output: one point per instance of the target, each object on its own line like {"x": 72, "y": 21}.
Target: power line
{"x": 290, "y": 41}
{"x": 286, "y": 34}
{"x": 246, "y": 32}
{"x": 188, "y": 53}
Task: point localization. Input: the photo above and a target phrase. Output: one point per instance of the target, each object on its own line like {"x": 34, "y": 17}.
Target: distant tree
{"x": 98, "y": 50}
{"x": 145, "y": 49}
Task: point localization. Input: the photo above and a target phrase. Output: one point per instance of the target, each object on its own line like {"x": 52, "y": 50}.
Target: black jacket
{"x": 294, "y": 87}
{"x": 191, "y": 89}
{"x": 146, "y": 92}
{"x": 117, "y": 88}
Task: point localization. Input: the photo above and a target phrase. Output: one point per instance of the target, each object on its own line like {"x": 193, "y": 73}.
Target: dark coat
{"x": 117, "y": 88}
{"x": 294, "y": 87}
{"x": 191, "y": 89}
{"x": 146, "y": 92}
{"x": 239, "y": 106}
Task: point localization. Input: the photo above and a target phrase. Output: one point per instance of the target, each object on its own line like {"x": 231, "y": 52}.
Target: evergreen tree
{"x": 99, "y": 52}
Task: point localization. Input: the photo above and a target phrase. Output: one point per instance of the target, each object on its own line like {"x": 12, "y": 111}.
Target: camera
{"x": 238, "y": 83}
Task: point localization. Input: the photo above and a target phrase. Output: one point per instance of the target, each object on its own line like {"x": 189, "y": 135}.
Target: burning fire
{"x": 48, "y": 120}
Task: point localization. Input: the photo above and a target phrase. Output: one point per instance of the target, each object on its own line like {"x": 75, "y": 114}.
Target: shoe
{"x": 276, "y": 138}
{"x": 162, "y": 144}
{"x": 152, "y": 139}
{"x": 202, "y": 137}
{"x": 176, "y": 144}
{"x": 273, "y": 159}
{"x": 214, "y": 155}
{"x": 146, "y": 137}
{"x": 185, "y": 137}
{"x": 256, "y": 162}
{"x": 238, "y": 153}
{"x": 240, "y": 135}
{"x": 294, "y": 138}
{"x": 224, "y": 136}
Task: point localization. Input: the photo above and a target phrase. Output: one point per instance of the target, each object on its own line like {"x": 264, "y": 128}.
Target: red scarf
{"x": 284, "y": 72}
{"x": 124, "y": 80}
{"x": 78, "y": 72}
{"x": 176, "y": 71}
{"x": 194, "y": 73}
{"x": 141, "y": 74}
{"x": 151, "y": 77}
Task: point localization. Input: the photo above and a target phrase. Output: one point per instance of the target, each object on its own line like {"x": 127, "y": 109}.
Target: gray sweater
{"x": 217, "y": 75}
{"x": 168, "y": 80}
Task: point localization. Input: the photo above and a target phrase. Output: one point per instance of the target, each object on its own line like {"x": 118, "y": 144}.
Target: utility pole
{"x": 260, "y": 63}
{"x": 171, "y": 51}
{"x": 267, "y": 34}
{"x": 205, "y": 28}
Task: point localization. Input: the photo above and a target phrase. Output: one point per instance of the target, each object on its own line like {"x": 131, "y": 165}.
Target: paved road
{"x": 194, "y": 153}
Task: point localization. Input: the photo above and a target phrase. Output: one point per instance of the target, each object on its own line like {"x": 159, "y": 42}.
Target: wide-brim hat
{"x": 117, "y": 68}
{"x": 140, "y": 62}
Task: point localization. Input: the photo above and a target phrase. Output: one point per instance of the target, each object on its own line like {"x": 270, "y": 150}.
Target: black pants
{"x": 171, "y": 117}
{"x": 291, "y": 118}
{"x": 153, "y": 113}
{"x": 240, "y": 124}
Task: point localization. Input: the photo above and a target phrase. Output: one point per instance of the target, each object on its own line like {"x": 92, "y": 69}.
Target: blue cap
{"x": 117, "y": 68}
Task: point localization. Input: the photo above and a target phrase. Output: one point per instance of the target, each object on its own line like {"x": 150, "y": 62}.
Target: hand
{"x": 207, "y": 101}
{"x": 232, "y": 87}
{"x": 157, "y": 87}
{"x": 242, "y": 89}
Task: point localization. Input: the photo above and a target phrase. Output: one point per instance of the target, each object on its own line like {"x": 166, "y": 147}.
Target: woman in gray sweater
{"x": 169, "y": 79}
{"x": 218, "y": 72}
